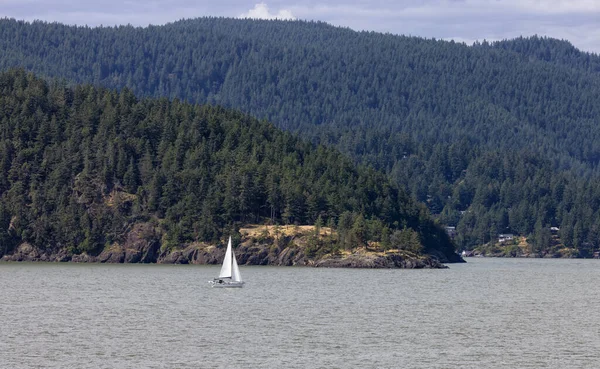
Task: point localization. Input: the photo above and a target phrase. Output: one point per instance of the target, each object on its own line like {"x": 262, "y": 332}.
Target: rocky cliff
{"x": 143, "y": 245}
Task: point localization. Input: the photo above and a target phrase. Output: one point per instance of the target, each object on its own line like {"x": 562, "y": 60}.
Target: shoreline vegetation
{"x": 523, "y": 247}
{"x": 290, "y": 245}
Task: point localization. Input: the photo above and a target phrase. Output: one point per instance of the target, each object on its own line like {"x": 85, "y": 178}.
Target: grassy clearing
{"x": 256, "y": 230}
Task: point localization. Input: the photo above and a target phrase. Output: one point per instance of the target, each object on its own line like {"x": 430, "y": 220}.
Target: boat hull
{"x": 226, "y": 284}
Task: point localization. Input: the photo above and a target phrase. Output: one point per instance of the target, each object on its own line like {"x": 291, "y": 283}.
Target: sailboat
{"x": 230, "y": 272}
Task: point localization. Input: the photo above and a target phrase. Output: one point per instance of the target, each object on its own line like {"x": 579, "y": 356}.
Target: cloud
{"x": 556, "y": 6}
{"x": 451, "y": 8}
{"x": 261, "y": 11}
{"x": 466, "y": 20}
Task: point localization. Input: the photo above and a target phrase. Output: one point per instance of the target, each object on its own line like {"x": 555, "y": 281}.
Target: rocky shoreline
{"x": 141, "y": 246}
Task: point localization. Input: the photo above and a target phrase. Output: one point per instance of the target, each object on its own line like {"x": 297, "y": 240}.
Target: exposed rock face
{"x": 84, "y": 258}
{"x": 453, "y": 258}
{"x": 393, "y": 260}
{"x": 25, "y": 252}
{"x": 142, "y": 245}
{"x": 247, "y": 253}
{"x": 115, "y": 254}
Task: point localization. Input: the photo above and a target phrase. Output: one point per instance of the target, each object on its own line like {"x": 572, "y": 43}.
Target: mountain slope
{"x": 81, "y": 166}
{"x": 552, "y": 51}
{"x": 430, "y": 113}
{"x": 300, "y": 74}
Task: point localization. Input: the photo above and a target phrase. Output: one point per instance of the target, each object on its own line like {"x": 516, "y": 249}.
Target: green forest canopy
{"x": 79, "y": 166}
{"x": 494, "y": 138}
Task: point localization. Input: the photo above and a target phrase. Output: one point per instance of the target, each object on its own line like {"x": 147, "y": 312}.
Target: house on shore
{"x": 451, "y": 231}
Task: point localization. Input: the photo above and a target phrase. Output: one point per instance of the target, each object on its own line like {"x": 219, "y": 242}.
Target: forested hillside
{"x": 495, "y": 138}
{"x": 80, "y": 166}
{"x": 550, "y": 50}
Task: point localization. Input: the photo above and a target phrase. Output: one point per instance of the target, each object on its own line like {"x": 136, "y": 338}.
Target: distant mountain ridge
{"x": 559, "y": 52}
{"x": 301, "y": 74}
{"x": 468, "y": 130}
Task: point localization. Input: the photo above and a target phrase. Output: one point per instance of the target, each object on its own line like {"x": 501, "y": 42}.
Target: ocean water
{"x": 487, "y": 313}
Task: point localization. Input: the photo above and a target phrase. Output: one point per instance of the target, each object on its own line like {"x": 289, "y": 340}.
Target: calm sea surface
{"x": 488, "y": 313}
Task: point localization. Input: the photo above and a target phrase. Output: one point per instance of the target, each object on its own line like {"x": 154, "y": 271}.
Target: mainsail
{"x": 226, "y": 268}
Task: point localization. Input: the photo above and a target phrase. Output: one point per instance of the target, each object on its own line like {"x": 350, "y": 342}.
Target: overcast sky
{"x": 462, "y": 20}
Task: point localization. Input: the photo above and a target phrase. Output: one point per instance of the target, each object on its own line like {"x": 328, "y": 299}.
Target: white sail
{"x": 230, "y": 276}
{"x": 235, "y": 271}
{"x": 226, "y": 268}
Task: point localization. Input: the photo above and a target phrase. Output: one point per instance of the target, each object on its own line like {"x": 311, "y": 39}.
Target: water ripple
{"x": 489, "y": 313}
